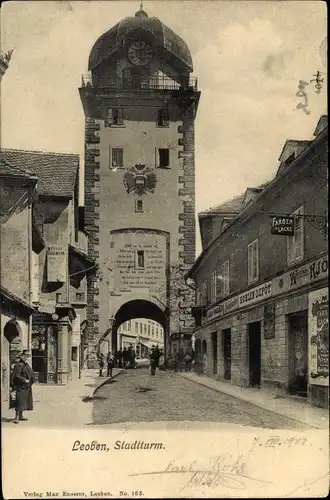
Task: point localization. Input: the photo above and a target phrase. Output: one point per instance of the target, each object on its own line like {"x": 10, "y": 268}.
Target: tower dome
{"x": 114, "y": 40}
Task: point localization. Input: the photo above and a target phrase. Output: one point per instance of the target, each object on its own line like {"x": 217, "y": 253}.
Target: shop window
{"x": 74, "y": 353}
{"x": 116, "y": 157}
{"x": 163, "y": 118}
{"x": 115, "y": 117}
{"x": 138, "y": 205}
{"x": 223, "y": 280}
{"x": 295, "y": 243}
{"x": 253, "y": 261}
{"x": 139, "y": 263}
{"x": 163, "y": 158}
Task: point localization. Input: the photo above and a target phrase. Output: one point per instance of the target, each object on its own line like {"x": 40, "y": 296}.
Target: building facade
{"x": 140, "y": 104}
{"x": 18, "y": 242}
{"x": 142, "y": 334}
{"x": 59, "y": 266}
{"x": 261, "y": 295}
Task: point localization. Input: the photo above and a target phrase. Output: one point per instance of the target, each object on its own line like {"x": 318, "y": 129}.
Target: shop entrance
{"x": 297, "y": 327}
{"x": 254, "y": 340}
{"x": 214, "y": 336}
{"x": 226, "y": 336}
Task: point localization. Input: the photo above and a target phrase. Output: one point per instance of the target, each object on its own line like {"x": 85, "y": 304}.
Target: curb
{"x": 259, "y": 405}
{"x": 107, "y": 380}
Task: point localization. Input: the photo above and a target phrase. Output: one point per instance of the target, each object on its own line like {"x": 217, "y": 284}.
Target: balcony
{"x": 136, "y": 83}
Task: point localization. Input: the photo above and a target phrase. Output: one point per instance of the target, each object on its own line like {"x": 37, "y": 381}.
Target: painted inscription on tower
{"x": 139, "y": 262}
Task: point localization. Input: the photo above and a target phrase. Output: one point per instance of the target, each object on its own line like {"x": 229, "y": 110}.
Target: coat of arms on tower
{"x": 140, "y": 179}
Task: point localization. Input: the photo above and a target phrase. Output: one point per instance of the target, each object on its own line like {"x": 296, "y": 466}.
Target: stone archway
{"x": 139, "y": 308}
{"x": 11, "y": 347}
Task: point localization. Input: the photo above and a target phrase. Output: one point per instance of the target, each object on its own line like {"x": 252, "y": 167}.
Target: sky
{"x": 248, "y": 57}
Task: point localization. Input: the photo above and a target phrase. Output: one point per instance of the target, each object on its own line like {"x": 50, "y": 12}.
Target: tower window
{"x": 138, "y": 206}
{"x": 163, "y": 118}
{"x": 140, "y": 259}
{"x": 164, "y": 158}
{"x": 117, "y": 157}
{"x": 115, "y": 116}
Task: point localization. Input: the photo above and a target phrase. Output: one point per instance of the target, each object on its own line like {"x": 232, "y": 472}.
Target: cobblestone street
{"x": 135, "y": 396}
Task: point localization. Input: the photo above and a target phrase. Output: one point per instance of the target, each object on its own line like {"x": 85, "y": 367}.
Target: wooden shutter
{"x": 250, "y": 262}
{"x": 109, "y": 120}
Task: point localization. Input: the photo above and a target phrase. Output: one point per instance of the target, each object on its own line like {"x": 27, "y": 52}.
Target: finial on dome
{"x": 141, "y": 12}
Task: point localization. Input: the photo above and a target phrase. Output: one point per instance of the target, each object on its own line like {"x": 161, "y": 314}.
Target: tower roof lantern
{"x": 141, "y": 12}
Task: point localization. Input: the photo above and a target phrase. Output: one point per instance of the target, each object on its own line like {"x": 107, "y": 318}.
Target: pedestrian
{"x": 110, "y": 364}
{"x": 154, "y": 359}
{"x": 125, "y": 358}
{"x": 21, "y": 381}
{"x": 119, "y": 356}
{"x": 101, "y": 363}
{"x": 132, "y": 356}
{"x": 188, "y": 360}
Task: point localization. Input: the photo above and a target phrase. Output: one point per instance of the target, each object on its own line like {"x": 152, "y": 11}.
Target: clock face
{"x": 139, "y": 53}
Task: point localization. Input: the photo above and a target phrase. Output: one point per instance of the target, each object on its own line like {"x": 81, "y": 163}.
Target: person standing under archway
{"x": 21, "y": 382}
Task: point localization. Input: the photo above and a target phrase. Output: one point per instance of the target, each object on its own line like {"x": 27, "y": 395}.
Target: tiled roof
{"x": 10, "y": 171}
{"x": 56, "y": 172}
{"x": 232, "y": 206}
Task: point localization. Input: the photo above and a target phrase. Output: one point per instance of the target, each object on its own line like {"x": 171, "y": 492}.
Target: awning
{"x": 79, "y": 263}
{"x": 12, "y": 299}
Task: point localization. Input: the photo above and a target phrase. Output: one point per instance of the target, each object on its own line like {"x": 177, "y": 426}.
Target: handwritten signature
{"x": 301, "y": 93}
{"x": 222, "y": 470}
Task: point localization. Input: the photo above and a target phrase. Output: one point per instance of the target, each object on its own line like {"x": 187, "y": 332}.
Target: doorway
{"x": 297, "y": 328}
{"x": 254, "y": 342}
{"x": 226, "y": 336}
{"x": 214, "y": 336}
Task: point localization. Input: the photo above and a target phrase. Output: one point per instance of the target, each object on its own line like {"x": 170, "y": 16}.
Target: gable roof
{"x": 232, "y": 206}
{"x": 8, "y": 170}
{"x": 57, "y": 173}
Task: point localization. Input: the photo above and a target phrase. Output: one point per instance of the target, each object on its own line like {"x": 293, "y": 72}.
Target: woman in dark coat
{"x": 21, "y": 381}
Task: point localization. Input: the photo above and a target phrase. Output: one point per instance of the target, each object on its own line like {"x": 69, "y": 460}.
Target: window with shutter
{"x": 109, "y": 120}
{"x": 163, "y": 118}
{"x": 253, "y": 261}
{"x": 295, "y": 243}
{"x": 117, "y": 157}
{"x": 222, "y": 280}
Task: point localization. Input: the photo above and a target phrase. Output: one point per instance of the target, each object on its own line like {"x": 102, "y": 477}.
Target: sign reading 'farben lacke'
{"x": 282, "y": 225}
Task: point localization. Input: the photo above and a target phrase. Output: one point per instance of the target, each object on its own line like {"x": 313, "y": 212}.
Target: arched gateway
{"x": 140, "y": 104}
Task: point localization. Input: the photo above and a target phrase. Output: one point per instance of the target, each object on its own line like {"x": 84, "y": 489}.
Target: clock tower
{"x": 140, "y": 103}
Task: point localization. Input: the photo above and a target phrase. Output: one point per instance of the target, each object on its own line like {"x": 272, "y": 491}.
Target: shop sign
{"x": 57, "y": 264}
{"x": 47, "y": 305}
{"x": 303, "y": 275}
{"x": 318, "y": 337}
{"x": 256, "y": 294}
{"x": 222, "y": 309}
{"x": 282, "y": 225}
